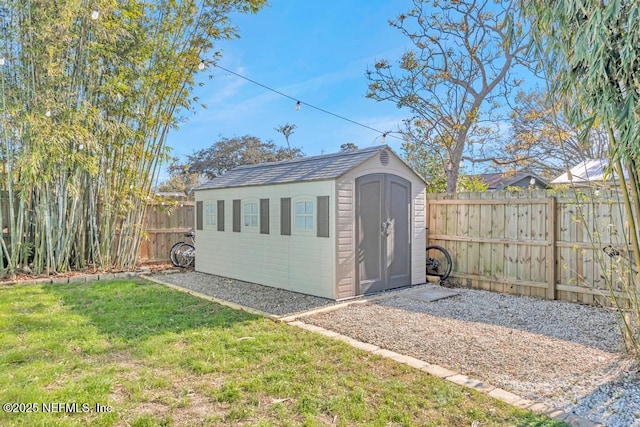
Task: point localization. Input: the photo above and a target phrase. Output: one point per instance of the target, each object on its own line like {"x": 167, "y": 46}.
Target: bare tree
{"x": 454, "y": 76}
{"x": 542, "y": 139}
{"x": 286, "y": 130}
{"x": 348, "y": 146}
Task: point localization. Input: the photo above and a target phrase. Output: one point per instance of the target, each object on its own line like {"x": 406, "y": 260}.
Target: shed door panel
{"x": 383, "y": 223}
{"x": 398, "y": 201}
{"x": 370, "y": 248}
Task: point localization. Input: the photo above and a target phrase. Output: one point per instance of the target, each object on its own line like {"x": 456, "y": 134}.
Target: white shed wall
{"x": 345, "y": 215}
{"x": 301, "y": 262}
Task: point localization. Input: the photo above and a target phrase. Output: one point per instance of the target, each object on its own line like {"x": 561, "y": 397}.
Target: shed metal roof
{"x": 588, "y": 171}
{"x": 314, "y": 168}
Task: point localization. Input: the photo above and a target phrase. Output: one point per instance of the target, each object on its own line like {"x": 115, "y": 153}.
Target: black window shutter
{"x": 264, "y": 216}
{"x": 198, "y": 215}
{"x": 285, "y": 216}
{"x": 322, "y": 216}
{"x": 220, "y": 215}
{"x": 236, "y": 216}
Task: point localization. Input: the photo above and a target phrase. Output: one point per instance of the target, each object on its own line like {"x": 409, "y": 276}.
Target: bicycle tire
{"x": 438, "y": 262}
{"x": 185, "y": 255}
{"x": 172, "y": 253}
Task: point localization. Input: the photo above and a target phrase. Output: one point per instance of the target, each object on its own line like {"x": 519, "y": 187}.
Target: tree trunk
{"x": 452, "y": 170}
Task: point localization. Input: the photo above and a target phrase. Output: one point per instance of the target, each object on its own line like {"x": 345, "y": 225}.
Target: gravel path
{"x": 560, "y": 354}
{"x": 263, "y": 298}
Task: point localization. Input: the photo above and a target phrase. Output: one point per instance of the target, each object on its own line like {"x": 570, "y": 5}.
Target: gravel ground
{"x": 560, "y": 354}
{"x": 263, "y": 298}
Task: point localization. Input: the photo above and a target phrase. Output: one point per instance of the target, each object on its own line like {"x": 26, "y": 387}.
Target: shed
{"x": 335, "y": 226}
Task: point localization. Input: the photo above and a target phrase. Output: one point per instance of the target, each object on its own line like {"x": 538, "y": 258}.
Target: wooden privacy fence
{"x": 163, "y": 227}
{"x": 537, "y": 243}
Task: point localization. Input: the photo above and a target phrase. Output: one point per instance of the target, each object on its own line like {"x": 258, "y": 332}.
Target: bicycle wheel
{"x": 438, "y": 262}
{"x": 172, "y": 253}
{"x": 185, "y": 255}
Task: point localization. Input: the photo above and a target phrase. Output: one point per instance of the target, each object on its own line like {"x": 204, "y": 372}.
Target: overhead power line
{"x": 298, "y": 103}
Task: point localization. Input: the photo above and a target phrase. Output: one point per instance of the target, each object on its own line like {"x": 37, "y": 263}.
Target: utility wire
{"x": 298, "y": 102}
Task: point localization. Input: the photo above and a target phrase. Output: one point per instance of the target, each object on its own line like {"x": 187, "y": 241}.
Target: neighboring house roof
{"x": 314, "y": 168}
{"x": 500, "y": 181}
{"x": 588, "y": 171}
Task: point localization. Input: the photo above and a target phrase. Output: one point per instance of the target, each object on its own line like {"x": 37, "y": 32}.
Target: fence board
{"x": 462, "y": 228}
{"x": 567, "y": 253}
{"x": 551, "y": 214}
{"x": 164, "y": 227}
{"x": 538, "y": 243}
{"x": 511, "y": 250}
{"x": 485, "y": 249}
{"x": 524, "y": 251}
{"x": 498, "y": 256}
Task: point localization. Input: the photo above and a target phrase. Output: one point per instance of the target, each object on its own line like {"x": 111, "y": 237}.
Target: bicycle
{"x": 620, "y": 255}
{"x": 183, "y": 254}
{"x": 438, "y": 262}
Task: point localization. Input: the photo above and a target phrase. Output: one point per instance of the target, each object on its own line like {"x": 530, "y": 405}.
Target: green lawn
{"x": 155, "y": 356}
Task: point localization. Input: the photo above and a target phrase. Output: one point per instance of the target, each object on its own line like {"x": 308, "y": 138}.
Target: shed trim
{"x": 236, "y": 215}
{"x": 220, "y": 215}
{"x": 264, "y": 216}
{"x": 322, "y": 217}
{"x": 199, "y": 210}
{"x": 285, "y": 216}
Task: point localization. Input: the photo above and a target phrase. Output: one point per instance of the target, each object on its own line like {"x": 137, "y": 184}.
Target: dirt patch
{"x": 26, "y": 276}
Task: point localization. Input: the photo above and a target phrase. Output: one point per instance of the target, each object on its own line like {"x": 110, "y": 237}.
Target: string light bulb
{"x": 2, "y": 61}
{"x": 80, "y": 147}
{"x": 201, "y": 66}
{"x": 298, "y": 103}
{"x": 95, "y": 14}
{"x": 384, "y": 137}
{"x": 48, "y": 113}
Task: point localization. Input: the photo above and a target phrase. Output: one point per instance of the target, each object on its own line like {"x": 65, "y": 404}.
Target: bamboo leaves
{"x": 593, "y": 50}
{"x": 89, "y": 93}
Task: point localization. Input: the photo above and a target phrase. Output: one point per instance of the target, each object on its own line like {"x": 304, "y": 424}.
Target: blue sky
{"x": 314, "y": 51}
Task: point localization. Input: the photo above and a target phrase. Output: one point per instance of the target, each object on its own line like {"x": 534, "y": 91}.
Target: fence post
{"x": 551, "y": 248}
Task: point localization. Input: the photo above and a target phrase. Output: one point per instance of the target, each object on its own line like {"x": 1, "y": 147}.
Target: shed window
{"x": 210, "y": 214}
{"x": 250, "y": 213}
{"x": 304, "y": 216}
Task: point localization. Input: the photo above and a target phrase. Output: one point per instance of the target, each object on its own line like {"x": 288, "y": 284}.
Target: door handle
{"x": 385, "y": 228}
